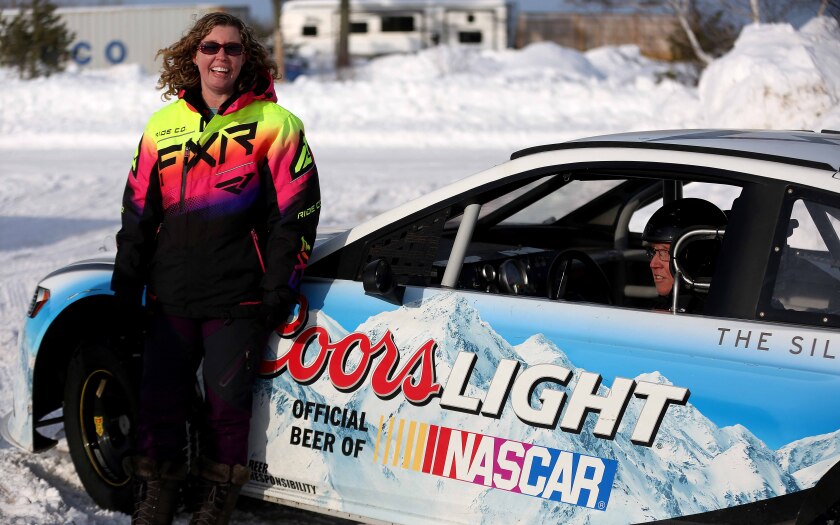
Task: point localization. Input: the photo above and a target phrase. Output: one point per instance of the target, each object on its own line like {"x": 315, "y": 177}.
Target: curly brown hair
{"x": 179, "y": 72}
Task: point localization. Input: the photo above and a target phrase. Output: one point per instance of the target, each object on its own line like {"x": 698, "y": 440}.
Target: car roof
{"x": 802, "y": 148}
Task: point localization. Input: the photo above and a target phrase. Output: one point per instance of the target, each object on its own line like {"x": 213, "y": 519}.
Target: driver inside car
{"x": 658, "y": 236}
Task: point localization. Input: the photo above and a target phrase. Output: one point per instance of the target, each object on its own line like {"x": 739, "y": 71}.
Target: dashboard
{"x": 518, "y": 271}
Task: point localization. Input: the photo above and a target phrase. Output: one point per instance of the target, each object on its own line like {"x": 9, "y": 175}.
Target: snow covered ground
{"x": 402, "y": 127}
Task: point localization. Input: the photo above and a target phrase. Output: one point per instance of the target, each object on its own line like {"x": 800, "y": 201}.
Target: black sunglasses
{"x": 211, "y": 48}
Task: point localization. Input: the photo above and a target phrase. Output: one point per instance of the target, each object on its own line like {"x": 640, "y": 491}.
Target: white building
{"x": 377, "y": 27}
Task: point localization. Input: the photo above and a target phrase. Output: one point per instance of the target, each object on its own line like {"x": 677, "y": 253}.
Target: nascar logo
{"x": 504, "y": 464}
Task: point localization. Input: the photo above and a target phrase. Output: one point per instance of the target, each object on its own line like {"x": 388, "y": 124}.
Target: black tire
{"x": 100, "y": 413}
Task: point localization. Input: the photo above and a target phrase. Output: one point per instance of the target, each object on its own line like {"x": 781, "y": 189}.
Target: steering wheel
{"x": 600, "y": 290}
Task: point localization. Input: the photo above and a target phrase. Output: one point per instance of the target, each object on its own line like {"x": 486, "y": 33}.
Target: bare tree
{"x": 342, "y": 54}
{"x": 756, "y": 11}
{"x": 687, "y": 15}
{"x": 770, "y": 11}
{"x": 279, "y": 51}
{"x": 684, "y": 10}
{"x": 829, "y": 8}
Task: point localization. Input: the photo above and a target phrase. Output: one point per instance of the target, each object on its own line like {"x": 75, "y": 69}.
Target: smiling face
{"x": 661, "y": 269}
{"x": 219, "y": 72}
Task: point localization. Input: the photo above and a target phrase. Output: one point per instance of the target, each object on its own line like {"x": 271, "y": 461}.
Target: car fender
{"x": 78, "y": 294}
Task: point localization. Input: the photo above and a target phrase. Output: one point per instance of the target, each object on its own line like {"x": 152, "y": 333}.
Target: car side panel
{"x": 696, "y": 414}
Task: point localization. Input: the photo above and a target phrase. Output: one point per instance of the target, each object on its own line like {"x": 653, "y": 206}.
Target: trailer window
{"x": 358, "y": 27}
{"x": 395, "y": 24}
{"x": 469, "y": 37}
{"x": 310, "y": 30}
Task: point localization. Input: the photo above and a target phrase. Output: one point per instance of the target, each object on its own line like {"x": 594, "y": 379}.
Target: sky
{"x": 399, "y": 128}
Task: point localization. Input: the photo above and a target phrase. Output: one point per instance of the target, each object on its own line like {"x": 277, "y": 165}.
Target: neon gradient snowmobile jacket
{"x": 219, "y": 210}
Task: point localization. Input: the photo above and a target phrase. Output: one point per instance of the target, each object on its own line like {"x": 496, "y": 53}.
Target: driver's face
{"x": 660, "y": 267}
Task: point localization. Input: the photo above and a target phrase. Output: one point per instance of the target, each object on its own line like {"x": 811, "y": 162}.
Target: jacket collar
{"x": 261, "y": 89}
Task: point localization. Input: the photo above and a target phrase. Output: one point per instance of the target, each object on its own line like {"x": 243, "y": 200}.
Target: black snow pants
{"x": 174, "y": 348}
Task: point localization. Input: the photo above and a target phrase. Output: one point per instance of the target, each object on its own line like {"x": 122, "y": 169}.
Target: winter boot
{"x": 156, "y": 489}
{"x": 216, "y": 490}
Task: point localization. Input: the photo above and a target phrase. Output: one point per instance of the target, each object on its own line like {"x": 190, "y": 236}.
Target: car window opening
{"x": 807, "y": 283}
{"x": 593, "y": 220}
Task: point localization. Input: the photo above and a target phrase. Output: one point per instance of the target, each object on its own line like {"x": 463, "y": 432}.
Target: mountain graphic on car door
{"x": 423, "y": 457}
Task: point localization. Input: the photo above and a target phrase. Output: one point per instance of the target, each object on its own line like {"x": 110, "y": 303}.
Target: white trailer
{"x": 111, "y": 35}
{"x": 378, "y": 27}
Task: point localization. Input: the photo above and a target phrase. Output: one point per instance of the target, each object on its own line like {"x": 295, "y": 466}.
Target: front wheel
{"x": 100, "y": 412}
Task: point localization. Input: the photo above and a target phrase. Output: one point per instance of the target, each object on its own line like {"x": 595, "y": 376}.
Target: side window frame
{"x": 766, "y": 310}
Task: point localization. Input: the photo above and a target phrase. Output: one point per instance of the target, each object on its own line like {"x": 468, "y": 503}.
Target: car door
{"x": 436, "y": 403}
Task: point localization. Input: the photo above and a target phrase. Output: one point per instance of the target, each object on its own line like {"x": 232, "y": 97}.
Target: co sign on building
{"x": 115, "y": 52}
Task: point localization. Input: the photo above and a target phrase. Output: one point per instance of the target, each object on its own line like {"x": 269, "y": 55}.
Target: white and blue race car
{"x": 493, "y": 352}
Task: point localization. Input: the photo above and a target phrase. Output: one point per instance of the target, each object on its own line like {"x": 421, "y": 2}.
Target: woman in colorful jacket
{"x": 218, "y": 221}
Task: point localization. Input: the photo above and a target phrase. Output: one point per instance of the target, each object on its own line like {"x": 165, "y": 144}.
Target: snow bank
{"x": 77, "y": 109}
{"x": 456, "y": 97}
{"x": 776, "y": 77}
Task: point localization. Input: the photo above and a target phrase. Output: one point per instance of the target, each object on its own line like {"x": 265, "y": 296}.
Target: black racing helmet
{"x": 669, "y": 220}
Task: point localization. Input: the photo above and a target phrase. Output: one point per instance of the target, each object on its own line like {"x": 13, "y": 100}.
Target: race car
{"x": 498, "y": 351}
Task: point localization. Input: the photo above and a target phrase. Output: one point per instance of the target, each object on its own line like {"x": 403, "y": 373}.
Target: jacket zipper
{"x": 184, "y": 175}
{"x": 257, "y": 247}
